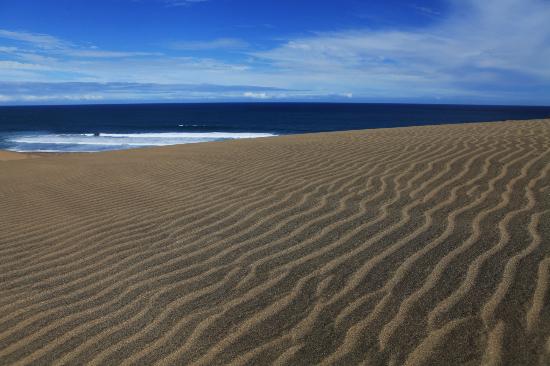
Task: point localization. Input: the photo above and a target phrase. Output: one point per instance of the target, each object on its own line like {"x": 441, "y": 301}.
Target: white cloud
{"x": 481, "y": 47}
{"x": 8, "y": 49}
{"x": 256, "y": 95}
{"x": 50, "y": 98}
{"x": 32, "y": 60}
{"x": 220, "y": 43}
{"x": 183, "y": 2}
{"x": 90, "y": 91}
{"x": 40, "y": 40}
{"x": 93, "y": 53}
{"x": 483, "y": 51}
{"x": 43, "y": 43}
{"x": 426, "y": 10}
{"x": 15, "y": 65}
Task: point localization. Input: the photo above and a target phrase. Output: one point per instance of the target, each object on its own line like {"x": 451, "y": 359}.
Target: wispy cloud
{"x": 255, "y": 95}
{"x": 47, "y": 44}
{"x": 92, "y": 91}
{"x": 182, "y": 2}
{"x": 475, "y": 53}
{"x": 8, "y": 49}
{"x": 36, "y": 56}
{"x": 482, "y": 48}
{"x": 426, "y": 10}
{"x": 92, "y": 53}
{"x": 40, "y": 40}
{"x": 50, "y": 98}
{"x": 31, "y": 62}
{"x": 16, "y": 65}
{"x": 214, "y": 44}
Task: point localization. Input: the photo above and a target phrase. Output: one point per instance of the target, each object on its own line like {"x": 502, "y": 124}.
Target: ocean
{"x": 89, "y": 128}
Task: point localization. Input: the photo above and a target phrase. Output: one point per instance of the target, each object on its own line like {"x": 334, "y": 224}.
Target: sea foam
{"x": 89, "y": 142}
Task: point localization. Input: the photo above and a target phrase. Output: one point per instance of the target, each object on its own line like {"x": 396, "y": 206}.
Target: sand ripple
{"x": 421, "y": 245}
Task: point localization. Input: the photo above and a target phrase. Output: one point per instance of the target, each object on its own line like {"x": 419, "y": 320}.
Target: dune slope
{"x": 421, "y": 245}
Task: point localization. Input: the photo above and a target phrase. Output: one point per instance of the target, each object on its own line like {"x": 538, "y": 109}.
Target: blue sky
{"x": 424, "y": 51}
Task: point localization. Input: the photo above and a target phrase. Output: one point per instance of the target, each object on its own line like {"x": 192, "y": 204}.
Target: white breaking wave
{"x": 115, "y": 141}
{"x": 194, "y": 135}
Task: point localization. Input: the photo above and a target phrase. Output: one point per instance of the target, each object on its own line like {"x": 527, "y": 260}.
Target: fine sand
{"x": 8, "y": 155}
{"x": 407, "y": 246}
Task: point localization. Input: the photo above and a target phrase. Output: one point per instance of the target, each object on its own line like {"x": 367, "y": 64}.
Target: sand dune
{"x": 421, "y": 245}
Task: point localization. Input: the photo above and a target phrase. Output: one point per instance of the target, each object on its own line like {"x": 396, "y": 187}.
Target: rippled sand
{"x": 421, "y": 245}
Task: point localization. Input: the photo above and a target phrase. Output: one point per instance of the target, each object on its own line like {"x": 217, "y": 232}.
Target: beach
{"x": 10, "y": 155}
{"x": 401, "y": 246}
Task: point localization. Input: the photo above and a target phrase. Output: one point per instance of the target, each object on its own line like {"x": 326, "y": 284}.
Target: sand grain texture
{"x": 415, "y": 246}
{"x": 9, "y": 155}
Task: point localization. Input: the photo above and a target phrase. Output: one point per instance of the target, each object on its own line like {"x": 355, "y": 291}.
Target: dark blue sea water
{"x": 113, "y": 127}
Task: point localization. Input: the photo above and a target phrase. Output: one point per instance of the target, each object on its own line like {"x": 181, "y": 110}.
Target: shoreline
{"x": 27, "y": 154}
